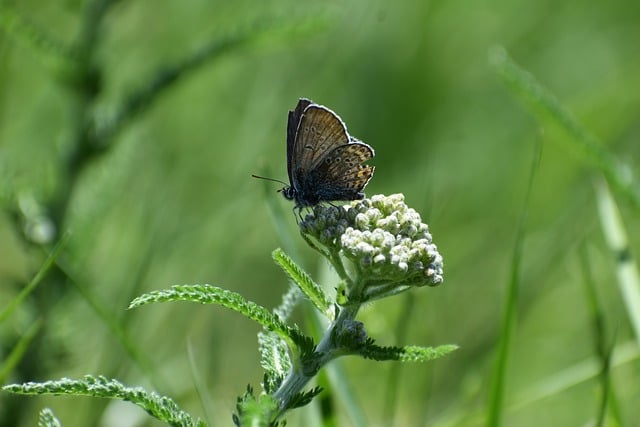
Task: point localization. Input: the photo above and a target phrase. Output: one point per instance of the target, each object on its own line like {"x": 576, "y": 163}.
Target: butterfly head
{"x": 288, "y": 192}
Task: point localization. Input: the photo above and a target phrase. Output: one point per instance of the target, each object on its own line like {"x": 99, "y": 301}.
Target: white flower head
{"x": 385, "y": 240}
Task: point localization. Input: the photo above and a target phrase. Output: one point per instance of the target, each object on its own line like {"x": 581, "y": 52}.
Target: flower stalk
{"x": 333, "y": 344}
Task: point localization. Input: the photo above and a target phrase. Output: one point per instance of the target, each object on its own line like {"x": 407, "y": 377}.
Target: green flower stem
{"x": 327, "y": 349}
{"x": 385, "y": 290}
{"x": 336, "y": 262}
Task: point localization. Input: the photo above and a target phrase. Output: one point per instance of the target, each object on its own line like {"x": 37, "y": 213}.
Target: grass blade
{"x": 603, "y": 350}
{"x": 18, "y": 351}
{"x": 498, "y": 379}
{"x": 576, "y": 374}
{"x": 550, "y": 111}
{"x": 51, "y": 259}
{"x": 626, "y": 267}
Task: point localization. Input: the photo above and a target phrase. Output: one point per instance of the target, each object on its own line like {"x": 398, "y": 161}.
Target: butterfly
{"x": 324, "y": 162}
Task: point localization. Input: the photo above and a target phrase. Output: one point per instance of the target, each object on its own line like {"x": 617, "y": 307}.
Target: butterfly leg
{"x": 296, "y": 214}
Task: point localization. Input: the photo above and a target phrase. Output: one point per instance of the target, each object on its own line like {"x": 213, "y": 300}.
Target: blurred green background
{"x": 167, "y": 198}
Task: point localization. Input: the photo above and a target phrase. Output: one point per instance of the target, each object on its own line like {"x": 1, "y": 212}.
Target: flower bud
{"x": 386, "y": 241}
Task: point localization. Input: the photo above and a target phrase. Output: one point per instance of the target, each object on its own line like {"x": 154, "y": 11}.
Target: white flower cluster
{"x": 383, "y": 237}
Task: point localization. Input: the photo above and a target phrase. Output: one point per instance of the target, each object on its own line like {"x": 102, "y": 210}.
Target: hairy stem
{"x": 327, "y": 349}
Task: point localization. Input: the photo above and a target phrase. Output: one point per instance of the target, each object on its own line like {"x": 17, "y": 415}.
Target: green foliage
{"x": 274, "y": 352}
{"x": 274, "y": 359}
{"x": 18, "y": 351}
{"x": 345, "y": 335}
{"x": 311, "y": 289}
{"x": 143, "y": 98}
{"x": 52, "y": 50}
{"x": 160, "y": 407}
{"x": 618, "y": 174}
{"x": 544, "y": 103}
{"x": 626, "y": 265}
{"x": 207, "y": 294}
{"x": 290, "y": 300}
{"x": 40, "y": 275}
{"x": 285, "y": 377}
{"x": 304, "y": 397}
{"x": 255, "y": 411}
{"x": 603, "y": 349}
{"x": 409, "y": 353}
{"x": 498, "y": 379}
{"x": 47, "y": 419}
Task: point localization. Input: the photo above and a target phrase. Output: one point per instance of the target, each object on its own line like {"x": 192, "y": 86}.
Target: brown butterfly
{"x": 324, "y": 162}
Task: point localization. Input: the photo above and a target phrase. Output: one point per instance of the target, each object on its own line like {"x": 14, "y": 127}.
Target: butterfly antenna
{"x": 269, "y": 179}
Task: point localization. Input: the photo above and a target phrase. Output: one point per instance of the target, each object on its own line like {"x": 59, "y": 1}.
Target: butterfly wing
{"x": 320, "y": 131}
{"x": 340, "y": 174}
{"x": 292, "y": 127}
{"x": 324, "y": 163}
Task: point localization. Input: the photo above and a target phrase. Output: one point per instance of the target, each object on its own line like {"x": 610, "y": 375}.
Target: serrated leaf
{"x": 304, "y": 398}
{"x": 47, "y": 419}
{"x": 410, "y": 353}
{"x": 306, "y": 284}
{"x": 274, "y": 358}
{"x": 207, "y": 294}
{"x": 289, "y": 301}
{"x": 160, "y": 407}
{"x": 255, "y": 411}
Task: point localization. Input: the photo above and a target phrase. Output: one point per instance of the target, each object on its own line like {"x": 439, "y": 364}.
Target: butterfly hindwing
{"x": 341, "y": 175}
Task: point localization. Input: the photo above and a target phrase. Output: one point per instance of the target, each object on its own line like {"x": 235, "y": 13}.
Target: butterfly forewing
{"x": 320, "y": 130}
{"x": 292, "y": 128}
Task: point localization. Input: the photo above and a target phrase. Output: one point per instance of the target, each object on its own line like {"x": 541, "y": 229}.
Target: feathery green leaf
{"x": 410, "y": 353}
{"x": 274, "y": 359}
{"x": 47, "y": 419}
{"x": 160, "y": 407}
{"x": 306, "y": 284}
{"x": 207, "y": 294}
{"x": 304, "y": 397}
{"x": 289, "y": 301}
{"x": 254, "y": 411}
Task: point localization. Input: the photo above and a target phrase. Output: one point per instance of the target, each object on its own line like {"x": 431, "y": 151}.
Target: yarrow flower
{"x": 386, "y": 241}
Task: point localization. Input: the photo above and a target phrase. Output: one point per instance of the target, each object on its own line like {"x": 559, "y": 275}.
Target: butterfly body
{"x": 324, "y": 162}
